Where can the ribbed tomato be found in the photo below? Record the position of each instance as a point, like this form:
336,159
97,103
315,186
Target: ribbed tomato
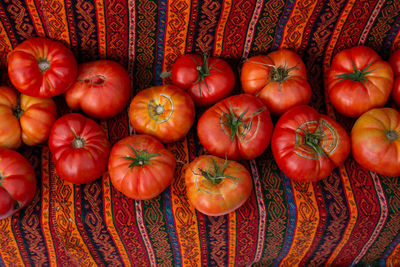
394,61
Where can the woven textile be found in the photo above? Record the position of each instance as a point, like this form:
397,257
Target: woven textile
351,217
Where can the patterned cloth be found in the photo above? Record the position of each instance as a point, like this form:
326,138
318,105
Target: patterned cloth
351,217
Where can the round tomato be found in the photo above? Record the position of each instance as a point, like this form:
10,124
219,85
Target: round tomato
216,186
41,67
141,167
164,111
394,61
79,148
375,141
279,79
101,90
24,118
17,182
307,145
206,79
358,80
237,127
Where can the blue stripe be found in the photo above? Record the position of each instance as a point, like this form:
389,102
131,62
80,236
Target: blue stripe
392,35
282,24
171,227
292,220
162,15
389,250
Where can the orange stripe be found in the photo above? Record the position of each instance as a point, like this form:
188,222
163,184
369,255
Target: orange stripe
37,22
101,28
56,20
353,215
220,32
394,258
5,46
307,220
293,33
396,42
232,238
9,251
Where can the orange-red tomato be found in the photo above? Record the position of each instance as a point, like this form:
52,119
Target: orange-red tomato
394,61
216,186
24,119
166,112
141,167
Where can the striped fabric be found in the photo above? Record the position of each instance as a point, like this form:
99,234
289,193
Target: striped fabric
351,217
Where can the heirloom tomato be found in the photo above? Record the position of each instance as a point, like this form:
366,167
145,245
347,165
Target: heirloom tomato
17,182
206,79
79,148
217,186
358,80
279,79
101,90
237,127
165,111
41,67
24,119
375,141
141,167
394,61
307,145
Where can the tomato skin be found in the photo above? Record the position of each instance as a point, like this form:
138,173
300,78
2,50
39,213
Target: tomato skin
79,148
141,182
372,147
17,182
249,143
218,82
52,77
25,119
101,90
280,91
295,157
166,112
352,97
222,198
394,61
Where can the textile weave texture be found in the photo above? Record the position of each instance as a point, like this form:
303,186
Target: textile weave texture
350,217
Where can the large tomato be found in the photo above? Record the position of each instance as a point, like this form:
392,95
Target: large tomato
237,127
375,141
207,79
279,79
165,111
394,61
17,182
307,145
216,186
141,167
358,80
79,148
101,90
24,119
42,67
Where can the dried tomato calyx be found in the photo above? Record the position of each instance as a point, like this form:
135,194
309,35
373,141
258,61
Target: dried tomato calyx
17,110
78,142
392,135
217,176
141,158
313,140
98,80
43,64
281,73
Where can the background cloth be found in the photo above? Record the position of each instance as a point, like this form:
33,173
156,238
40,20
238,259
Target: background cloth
351,217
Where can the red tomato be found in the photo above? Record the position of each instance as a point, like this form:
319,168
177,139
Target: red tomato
141,167
394,61
164,111
17,182
358,80
102,89
79,148
41,67
24,119
307,146
216,186
279,79
237,127
375,141
207,80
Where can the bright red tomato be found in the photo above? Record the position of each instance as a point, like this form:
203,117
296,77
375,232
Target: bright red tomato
79,148
216,186
17,182
279,79
206,79
101,90
237,127
375,141
394,61
41,67
166,112
307,145
141,167
24,119
358,80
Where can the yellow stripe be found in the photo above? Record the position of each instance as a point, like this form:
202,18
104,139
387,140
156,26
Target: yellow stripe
9,251
101,28
232,238
56,17
220,31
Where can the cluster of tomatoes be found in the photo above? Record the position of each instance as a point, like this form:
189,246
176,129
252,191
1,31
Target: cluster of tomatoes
306,145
